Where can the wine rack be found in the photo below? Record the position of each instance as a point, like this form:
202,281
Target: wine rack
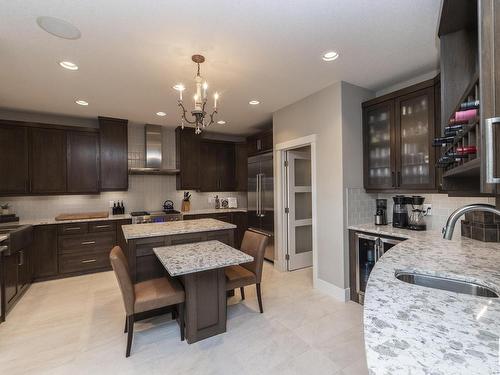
460,148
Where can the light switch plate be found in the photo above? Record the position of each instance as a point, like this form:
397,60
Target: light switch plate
428,207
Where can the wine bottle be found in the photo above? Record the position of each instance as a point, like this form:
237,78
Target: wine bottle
466,115
468,150
445,161
441,141
473,104
114,208
122,209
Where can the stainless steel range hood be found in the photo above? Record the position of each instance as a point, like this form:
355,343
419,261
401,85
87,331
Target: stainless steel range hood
154,153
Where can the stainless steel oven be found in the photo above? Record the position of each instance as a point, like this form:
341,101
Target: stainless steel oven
369,249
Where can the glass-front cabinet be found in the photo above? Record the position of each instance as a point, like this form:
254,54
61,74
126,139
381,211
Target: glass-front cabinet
379,160
398,130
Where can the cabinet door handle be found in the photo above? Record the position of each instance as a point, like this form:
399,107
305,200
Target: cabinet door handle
89,260
393,179
88,242
259,144
490,150
21,258
72,228
103,226
399,179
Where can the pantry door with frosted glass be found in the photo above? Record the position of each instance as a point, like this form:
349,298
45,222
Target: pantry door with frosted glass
299,203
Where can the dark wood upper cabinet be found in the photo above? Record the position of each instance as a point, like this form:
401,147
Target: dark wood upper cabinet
14,160
398,130
209,179
83,162
226,166
219,170
241,167
114,154
48,161
379,132
489,87
187,145
260,143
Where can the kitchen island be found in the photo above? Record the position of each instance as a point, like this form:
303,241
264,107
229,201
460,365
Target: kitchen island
421,330
142,238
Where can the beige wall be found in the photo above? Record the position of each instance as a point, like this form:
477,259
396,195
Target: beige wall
322,114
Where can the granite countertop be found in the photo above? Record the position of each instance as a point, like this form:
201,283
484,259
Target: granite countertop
53,221
205,211
418,330
132,231
389,230
199,256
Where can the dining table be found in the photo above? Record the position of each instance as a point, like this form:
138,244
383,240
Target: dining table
200,268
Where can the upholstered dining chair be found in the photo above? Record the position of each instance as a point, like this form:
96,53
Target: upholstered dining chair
146,295
246,274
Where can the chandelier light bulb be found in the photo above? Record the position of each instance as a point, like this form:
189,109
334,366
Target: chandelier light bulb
205,87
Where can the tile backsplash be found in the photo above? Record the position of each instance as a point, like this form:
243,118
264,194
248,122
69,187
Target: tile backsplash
144,193
361,207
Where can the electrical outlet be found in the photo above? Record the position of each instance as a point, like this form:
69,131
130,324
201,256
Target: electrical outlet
428,207
111,204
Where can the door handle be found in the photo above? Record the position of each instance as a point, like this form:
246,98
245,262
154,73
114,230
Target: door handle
398,180
103,226
89,261
490,150
72,228
393,179
88,242
262,191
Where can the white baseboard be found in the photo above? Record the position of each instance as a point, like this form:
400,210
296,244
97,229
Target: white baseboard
332,290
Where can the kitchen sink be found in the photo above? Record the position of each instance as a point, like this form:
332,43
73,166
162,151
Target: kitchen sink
450,285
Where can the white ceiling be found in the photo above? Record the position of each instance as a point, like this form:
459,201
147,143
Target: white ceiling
132,52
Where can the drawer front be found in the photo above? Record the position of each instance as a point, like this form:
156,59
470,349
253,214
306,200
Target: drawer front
102,226
81,262
103,242
73,228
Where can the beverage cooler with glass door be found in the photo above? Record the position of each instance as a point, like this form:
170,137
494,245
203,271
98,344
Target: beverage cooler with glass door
369,249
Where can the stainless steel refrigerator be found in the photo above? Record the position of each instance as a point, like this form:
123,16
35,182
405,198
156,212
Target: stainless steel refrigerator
261,198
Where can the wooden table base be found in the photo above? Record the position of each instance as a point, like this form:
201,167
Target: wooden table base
205,304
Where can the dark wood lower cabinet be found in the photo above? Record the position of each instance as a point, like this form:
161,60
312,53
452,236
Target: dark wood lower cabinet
236,217
17,271
143,263
45,251
71,249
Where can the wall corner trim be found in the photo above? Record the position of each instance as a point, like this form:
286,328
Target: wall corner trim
332,290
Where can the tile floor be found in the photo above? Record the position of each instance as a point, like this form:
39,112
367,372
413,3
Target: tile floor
75,326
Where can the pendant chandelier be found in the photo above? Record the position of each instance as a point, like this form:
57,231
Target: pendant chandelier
200,118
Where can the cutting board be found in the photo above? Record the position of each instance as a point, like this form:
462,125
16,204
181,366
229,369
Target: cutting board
83,216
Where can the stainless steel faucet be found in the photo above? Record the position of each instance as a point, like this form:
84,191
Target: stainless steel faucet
450,223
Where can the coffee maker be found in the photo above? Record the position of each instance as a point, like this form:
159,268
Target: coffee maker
400,212
381,212
416,219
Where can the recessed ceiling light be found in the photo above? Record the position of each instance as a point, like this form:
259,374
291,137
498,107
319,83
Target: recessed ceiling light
81,102
161,114
58,27
330,56
221,122
253,102
68,65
